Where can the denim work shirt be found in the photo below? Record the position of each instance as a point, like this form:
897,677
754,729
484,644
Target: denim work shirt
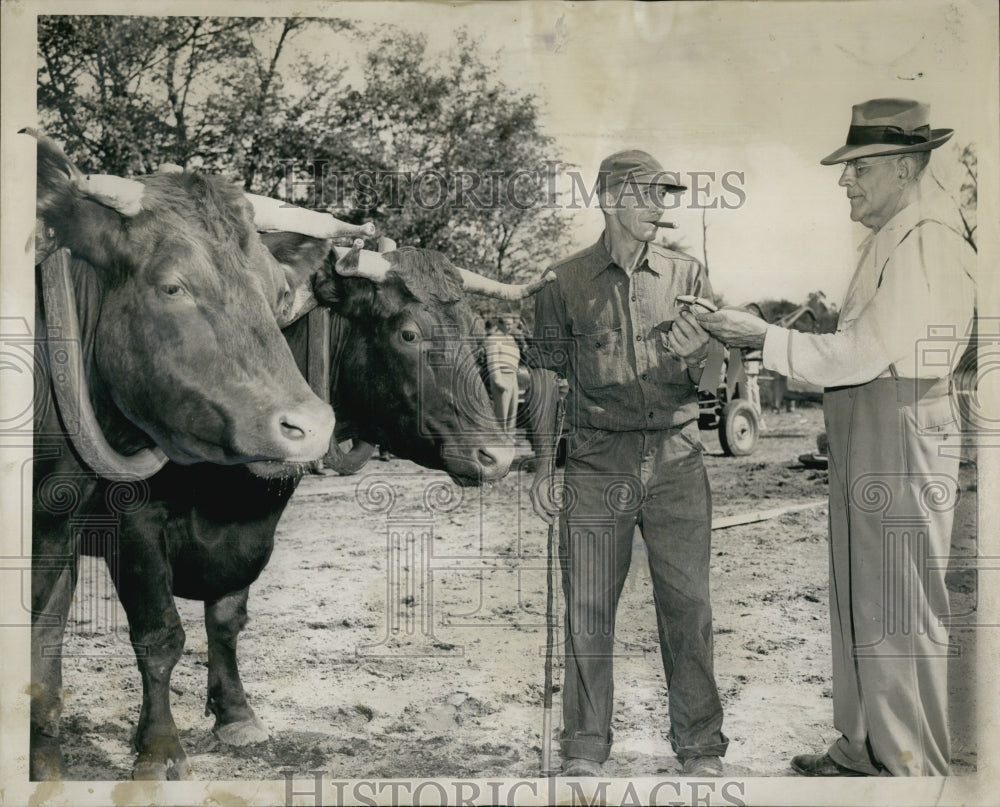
597,327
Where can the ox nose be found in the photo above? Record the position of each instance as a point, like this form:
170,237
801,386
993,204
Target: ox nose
303,433
495,460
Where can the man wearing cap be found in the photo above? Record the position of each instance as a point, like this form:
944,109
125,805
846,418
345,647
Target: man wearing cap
610,325
893,446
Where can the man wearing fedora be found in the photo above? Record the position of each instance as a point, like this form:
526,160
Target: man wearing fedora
610,325
893,447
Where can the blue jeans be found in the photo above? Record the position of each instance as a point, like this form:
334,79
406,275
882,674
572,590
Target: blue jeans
614,481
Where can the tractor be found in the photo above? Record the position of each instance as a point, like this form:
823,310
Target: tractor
734,408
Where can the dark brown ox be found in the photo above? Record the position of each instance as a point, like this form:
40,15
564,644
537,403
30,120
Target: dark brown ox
405,355
157,331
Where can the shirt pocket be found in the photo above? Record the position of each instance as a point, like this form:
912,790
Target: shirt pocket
600,358
665,368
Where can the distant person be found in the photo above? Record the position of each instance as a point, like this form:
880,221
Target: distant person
633,458
516,329
751,367
892,443
502,359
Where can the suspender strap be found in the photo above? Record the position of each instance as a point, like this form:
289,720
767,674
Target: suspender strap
892,367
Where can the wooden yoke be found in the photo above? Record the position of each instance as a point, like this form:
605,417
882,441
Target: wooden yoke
318,352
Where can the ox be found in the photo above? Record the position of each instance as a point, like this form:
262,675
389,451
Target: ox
205,531
406,358
158,340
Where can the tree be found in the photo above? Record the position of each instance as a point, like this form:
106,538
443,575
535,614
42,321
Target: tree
957,174
125,94
969,195
435,149
469,165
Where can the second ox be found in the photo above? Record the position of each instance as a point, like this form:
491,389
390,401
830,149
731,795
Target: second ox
406,358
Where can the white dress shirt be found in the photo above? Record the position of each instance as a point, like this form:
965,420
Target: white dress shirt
910,304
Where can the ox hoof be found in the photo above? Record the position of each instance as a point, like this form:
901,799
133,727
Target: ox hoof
171,770
243,732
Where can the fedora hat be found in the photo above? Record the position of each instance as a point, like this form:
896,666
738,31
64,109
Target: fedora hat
636,166
888,126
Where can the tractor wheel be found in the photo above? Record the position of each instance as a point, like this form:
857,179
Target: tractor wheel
739,428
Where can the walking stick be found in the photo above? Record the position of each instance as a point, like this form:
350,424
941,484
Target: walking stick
549,642
550,616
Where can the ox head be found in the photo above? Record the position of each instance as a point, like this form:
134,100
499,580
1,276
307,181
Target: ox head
407,372
186,348
418,357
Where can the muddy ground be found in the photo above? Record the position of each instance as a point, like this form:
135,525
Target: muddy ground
429,661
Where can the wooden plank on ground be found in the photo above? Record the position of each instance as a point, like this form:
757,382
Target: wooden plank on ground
763,515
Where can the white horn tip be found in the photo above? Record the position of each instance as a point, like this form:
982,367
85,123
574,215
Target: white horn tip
368,229
124,195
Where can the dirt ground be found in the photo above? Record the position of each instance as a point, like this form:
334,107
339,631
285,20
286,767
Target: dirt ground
427,660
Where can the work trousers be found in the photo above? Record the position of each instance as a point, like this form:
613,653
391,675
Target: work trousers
614,481
893,487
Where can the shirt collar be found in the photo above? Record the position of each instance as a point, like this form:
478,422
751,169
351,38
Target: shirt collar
903,221
600,259
894,229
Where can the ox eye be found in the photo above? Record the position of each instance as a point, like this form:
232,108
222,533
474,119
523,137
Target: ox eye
172,289
409,335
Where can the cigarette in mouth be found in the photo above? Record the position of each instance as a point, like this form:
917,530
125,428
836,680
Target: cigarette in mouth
667,224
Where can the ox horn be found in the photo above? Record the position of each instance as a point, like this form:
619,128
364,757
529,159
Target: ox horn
358,262
478,284
123,195
71,394
273,215
118,193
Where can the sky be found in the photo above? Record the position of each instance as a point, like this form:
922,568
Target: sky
762,89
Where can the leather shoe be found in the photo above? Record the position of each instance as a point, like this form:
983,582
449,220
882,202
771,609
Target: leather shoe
702,766
576,767
821,765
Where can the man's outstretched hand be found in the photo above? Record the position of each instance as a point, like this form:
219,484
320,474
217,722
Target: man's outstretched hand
734,328
687,339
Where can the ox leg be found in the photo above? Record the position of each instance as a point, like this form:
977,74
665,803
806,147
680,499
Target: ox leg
145,590
51,594
235,721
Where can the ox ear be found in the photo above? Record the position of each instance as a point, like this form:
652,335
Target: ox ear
68,214
122,195
57,176
301,258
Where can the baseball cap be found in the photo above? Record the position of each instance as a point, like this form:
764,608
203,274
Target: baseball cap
639,167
